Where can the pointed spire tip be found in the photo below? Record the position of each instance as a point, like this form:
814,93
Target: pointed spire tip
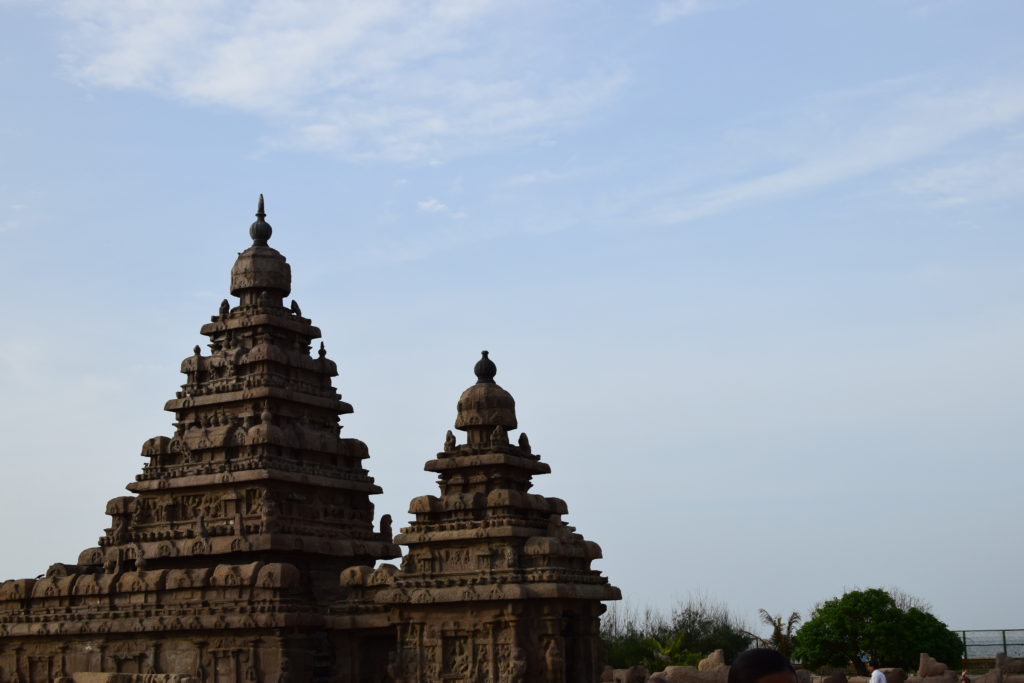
260,230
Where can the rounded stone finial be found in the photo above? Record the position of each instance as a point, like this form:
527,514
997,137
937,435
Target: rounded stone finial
485,369
485,405
260,231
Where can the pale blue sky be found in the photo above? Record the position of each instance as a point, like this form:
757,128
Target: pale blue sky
752,270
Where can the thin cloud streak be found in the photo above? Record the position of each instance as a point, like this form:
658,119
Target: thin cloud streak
918,125
431,206
671,10
976,180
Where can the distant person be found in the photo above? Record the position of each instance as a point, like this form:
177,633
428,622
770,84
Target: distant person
964,678
876,674
762,665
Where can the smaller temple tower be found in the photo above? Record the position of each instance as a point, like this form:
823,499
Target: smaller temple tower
495,586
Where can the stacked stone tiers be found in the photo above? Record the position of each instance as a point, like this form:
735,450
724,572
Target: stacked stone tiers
495,585
224,561
256,465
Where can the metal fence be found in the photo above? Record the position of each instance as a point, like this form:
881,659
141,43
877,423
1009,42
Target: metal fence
987,644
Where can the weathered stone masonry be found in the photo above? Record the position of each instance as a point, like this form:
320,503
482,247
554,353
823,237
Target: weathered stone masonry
246,551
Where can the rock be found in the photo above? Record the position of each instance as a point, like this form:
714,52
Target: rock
993,676
1009,665
895,675
929,666
634,674
713,662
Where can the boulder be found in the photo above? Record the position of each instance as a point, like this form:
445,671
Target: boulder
993,676
713,662
634,674
1009,665
929,666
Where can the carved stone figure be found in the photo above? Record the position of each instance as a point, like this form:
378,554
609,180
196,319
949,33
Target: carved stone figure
553,662
524,442
515,667
499,437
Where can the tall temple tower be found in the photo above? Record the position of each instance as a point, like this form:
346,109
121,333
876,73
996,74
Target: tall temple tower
223,563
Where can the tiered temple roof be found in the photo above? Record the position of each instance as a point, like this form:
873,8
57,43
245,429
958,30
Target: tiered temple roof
495,585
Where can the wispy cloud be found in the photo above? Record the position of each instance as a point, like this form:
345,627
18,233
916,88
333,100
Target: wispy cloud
978,179
387,79
431,206
909,127
546,175
925,8
671,10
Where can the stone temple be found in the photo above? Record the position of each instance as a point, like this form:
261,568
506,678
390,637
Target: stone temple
247,552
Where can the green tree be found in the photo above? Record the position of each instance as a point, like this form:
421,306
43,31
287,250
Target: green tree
870,624
920,632
781,638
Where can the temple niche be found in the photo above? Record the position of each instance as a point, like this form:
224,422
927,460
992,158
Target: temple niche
247,552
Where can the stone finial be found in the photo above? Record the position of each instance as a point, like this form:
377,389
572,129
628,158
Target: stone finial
196,350
295,308
323,351
260,231
485,404
449,442
225,308
485,369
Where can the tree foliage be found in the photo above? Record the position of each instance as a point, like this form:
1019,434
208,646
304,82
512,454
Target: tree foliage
782,638
872,624
693,630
